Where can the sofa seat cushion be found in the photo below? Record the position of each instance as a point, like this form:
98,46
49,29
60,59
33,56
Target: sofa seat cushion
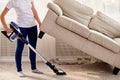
104,41
75,10
73,26
106,25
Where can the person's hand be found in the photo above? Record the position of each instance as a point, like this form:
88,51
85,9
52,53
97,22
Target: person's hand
8,30
39,26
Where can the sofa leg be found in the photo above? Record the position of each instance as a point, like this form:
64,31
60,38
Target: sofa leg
41,34
115,70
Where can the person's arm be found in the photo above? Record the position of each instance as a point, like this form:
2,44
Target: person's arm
3,14
36,14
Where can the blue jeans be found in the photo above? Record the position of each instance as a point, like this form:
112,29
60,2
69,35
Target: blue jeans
31,33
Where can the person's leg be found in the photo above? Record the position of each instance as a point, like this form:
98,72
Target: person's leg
32,37
19,49
18,55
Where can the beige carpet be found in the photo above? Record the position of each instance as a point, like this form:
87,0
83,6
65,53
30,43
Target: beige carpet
96,71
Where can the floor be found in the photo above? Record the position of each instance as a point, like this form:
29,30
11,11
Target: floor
96,71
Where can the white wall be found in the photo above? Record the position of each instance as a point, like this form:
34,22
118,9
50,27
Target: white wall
109,7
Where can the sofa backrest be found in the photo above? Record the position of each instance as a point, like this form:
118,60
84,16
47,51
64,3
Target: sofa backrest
75,10
105,24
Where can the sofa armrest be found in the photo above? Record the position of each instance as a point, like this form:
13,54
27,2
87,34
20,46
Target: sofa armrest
54,7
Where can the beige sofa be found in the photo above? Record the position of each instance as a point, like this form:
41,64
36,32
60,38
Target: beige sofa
77,25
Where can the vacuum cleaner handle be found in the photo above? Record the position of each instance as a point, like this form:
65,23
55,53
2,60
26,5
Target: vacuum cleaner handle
11,36
14,34
5,34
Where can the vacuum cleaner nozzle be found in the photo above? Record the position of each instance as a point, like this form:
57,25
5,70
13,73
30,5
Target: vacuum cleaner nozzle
56,70
61,72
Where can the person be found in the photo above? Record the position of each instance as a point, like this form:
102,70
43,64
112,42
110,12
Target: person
27,17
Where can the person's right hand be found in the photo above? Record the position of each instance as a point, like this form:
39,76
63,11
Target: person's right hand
8,30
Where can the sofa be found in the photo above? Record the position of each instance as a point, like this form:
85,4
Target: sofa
80,26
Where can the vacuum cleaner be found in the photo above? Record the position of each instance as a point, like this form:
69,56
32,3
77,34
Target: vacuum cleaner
16,34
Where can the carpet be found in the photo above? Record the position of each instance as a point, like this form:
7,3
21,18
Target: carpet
95,71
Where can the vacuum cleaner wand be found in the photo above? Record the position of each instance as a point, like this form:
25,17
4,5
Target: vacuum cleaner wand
18,35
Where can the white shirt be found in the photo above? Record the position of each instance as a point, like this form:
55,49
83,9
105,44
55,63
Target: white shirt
25,17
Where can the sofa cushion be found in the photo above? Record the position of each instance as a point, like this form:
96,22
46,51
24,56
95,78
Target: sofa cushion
73,26
76,10
105,25
104,41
